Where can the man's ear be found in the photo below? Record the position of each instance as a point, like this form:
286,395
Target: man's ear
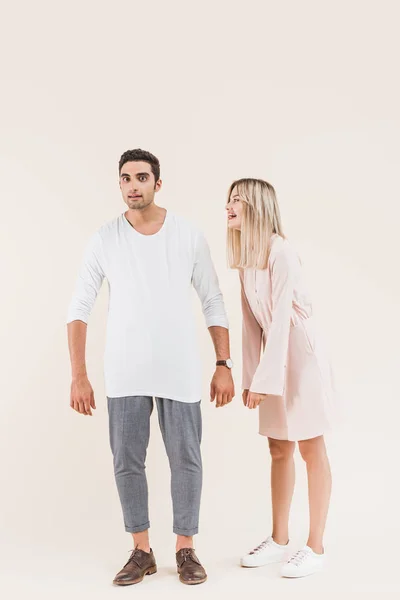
158,185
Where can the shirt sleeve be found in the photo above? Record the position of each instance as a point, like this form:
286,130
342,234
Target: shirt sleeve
270,374
251,339
88,283
205,282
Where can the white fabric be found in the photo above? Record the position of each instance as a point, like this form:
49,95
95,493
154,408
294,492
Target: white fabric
151,347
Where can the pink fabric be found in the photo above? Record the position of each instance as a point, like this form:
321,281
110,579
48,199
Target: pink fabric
294,369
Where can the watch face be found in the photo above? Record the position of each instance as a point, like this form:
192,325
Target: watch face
229,363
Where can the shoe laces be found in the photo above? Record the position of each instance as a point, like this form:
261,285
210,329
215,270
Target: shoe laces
187,553
299,557
262,546
132,557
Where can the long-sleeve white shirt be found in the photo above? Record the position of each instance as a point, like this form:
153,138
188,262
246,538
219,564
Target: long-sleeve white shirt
151,346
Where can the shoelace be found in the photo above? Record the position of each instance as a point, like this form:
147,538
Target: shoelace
299,557
187,553
132,556
262,546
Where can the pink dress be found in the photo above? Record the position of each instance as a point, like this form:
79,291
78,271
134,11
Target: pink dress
294,369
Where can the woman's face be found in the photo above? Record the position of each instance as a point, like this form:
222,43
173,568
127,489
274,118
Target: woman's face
234,210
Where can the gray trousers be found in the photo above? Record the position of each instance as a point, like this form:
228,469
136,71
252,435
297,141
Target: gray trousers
181,428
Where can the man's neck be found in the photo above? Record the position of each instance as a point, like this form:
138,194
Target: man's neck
147,220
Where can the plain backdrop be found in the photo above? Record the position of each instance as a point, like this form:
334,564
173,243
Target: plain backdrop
303,94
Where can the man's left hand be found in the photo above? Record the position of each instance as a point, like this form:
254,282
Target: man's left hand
222,388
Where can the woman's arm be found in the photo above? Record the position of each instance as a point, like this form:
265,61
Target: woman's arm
270,375
251,340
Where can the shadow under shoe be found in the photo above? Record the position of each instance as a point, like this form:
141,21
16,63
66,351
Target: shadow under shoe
140,563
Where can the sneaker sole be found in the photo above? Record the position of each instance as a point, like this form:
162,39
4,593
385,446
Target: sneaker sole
264,564
298,576
150,571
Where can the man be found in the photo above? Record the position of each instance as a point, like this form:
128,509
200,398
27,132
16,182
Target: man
151,258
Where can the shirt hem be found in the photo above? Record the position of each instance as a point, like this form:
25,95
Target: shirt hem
154,394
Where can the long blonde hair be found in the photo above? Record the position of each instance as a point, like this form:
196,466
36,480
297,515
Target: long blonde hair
250,247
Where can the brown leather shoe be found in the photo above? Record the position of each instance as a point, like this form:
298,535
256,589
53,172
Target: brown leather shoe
190,569
140,563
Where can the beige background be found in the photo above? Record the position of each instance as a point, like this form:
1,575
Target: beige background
304,94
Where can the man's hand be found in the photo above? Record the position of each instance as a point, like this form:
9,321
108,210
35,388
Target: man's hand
82,396
253,400
222,388
245,396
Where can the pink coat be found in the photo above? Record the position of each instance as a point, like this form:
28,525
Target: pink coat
294,369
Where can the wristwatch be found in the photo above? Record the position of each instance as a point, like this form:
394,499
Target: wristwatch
225,363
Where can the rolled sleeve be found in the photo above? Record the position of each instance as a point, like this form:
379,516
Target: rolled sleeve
88,283
205,282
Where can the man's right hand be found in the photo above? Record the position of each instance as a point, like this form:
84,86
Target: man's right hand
82,396
244,396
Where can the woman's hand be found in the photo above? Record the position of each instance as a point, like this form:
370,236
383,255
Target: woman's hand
253,399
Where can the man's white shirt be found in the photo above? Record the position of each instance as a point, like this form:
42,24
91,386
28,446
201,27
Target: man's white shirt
151,344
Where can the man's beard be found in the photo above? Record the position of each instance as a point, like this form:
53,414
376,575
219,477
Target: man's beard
138,205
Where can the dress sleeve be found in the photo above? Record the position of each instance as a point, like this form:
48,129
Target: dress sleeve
251,339
270,375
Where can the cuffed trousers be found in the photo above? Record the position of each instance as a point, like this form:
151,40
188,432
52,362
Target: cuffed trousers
181,428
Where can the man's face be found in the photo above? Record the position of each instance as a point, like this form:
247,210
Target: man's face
138,185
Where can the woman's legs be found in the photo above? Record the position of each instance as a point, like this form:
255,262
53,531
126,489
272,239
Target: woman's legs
313,452
282,486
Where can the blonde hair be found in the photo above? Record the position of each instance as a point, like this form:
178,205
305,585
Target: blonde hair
250,247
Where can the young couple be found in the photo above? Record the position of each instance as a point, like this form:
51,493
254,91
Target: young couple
150,258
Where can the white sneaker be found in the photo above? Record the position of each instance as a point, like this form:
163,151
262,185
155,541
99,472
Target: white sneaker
302,563
267,553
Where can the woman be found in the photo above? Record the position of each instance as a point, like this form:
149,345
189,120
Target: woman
292,382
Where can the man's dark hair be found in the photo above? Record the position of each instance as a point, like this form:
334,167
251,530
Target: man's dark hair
138,155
